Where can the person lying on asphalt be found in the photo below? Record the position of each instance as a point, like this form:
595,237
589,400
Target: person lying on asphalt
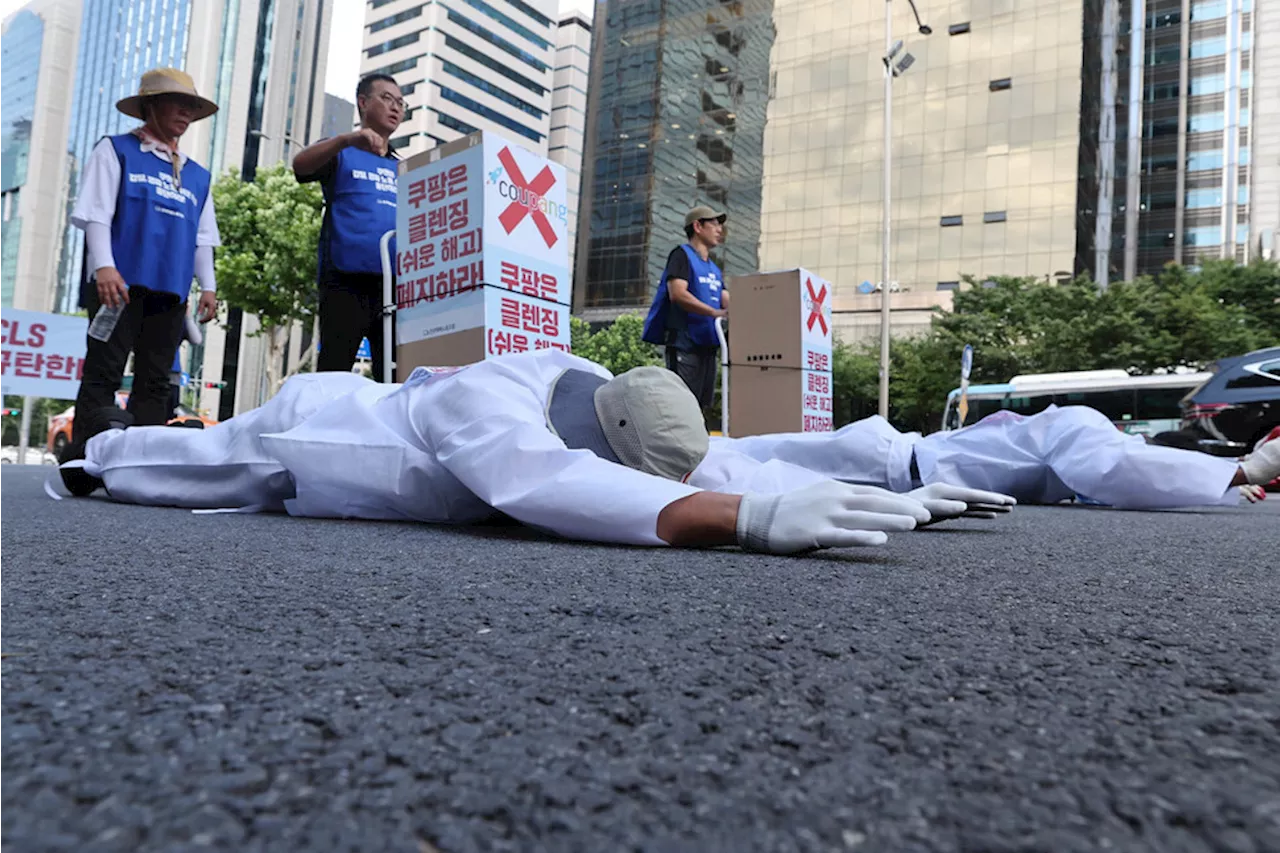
1056,455
557,443
551,440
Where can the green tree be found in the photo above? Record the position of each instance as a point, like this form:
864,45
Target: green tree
855,382
42,408
267,263
1254,287
1179,318
1187,322
618,346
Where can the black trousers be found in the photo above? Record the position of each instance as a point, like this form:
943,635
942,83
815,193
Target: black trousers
150,328
698,370
351,309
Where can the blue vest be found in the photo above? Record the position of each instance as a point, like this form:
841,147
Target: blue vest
153,232
360,208
707,284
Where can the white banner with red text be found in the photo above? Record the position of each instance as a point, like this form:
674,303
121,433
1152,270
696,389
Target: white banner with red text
43,353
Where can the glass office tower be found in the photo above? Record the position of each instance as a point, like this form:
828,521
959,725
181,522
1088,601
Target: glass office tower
680,90
119,40
21,48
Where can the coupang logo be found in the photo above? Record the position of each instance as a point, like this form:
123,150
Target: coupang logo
528,197
815,302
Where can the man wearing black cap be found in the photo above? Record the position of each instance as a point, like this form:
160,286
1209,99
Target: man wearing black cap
690,297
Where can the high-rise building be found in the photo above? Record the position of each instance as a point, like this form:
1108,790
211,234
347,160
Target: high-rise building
1264,164
339,116
465,65
986,150
1183,91
572,71
271,70
677,117
117,42
39,56
1010,137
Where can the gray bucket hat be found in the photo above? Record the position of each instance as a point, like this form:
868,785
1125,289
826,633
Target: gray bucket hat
646,419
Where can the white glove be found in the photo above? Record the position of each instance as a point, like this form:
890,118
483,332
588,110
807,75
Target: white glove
1253,494
824,515
1262,465
945,501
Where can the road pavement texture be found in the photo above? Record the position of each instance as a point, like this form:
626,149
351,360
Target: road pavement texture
1062,679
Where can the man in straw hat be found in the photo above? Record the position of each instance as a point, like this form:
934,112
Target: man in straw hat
147,214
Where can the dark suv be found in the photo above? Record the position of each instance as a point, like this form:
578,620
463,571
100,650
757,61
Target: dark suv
1236,407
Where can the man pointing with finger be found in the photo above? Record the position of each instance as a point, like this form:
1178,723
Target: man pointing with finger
357,172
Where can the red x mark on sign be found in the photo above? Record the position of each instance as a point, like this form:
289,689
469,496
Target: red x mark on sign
816,301
516,212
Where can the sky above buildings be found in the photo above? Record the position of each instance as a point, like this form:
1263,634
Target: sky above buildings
343,68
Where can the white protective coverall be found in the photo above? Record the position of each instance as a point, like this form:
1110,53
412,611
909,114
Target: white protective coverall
449,445
455,444
1044,458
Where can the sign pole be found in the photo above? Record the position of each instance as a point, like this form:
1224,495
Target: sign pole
724,377
966,365
24,431
388,308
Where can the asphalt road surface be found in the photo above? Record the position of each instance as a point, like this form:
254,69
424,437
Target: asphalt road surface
1064,679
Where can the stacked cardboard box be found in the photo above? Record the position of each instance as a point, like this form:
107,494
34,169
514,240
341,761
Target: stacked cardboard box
779,353
482,263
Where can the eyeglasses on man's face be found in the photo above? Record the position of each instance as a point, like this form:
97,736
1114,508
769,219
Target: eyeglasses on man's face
391,100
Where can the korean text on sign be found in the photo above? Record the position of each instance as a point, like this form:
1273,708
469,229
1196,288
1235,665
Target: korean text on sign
37,365
43,354
817,360
529,282
441,252
522,326
816,402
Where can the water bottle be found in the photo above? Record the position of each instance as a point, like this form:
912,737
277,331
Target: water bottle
104,322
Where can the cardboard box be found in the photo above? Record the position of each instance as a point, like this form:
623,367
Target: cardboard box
476,324
481,246
780,319
766,400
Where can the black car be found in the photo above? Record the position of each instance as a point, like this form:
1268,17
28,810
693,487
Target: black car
1236,407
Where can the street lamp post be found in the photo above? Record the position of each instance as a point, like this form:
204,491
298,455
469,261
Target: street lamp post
891,70
288,140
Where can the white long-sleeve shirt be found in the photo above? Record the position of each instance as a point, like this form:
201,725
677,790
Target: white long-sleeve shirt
96,205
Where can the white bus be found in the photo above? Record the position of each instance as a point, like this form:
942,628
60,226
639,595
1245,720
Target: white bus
1138,404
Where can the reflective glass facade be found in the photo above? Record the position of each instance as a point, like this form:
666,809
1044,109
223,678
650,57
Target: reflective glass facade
222,87
21,56
119,40
569,109
1183,170
985,144
678,117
